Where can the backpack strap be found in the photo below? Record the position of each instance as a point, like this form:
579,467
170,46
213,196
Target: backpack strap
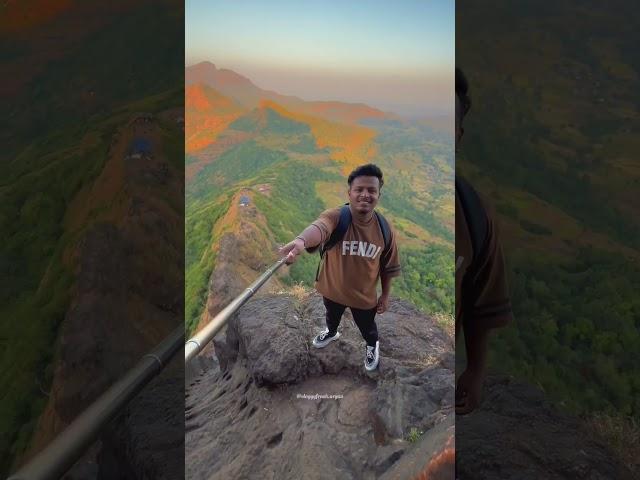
476,218
478,225
339,231
386,235
343,224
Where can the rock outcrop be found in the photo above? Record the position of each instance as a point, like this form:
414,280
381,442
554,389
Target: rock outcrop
244,250
518,434
279,408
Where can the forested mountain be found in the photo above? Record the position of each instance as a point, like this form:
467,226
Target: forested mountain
552,143
79,94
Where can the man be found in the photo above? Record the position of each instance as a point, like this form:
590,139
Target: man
482,301
350,269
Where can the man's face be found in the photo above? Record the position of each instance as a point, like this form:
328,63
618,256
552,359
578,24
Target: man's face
459,129
364,193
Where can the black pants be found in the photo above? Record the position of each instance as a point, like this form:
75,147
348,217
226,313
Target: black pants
365,320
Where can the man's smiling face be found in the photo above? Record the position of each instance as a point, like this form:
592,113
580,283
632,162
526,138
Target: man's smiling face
364,193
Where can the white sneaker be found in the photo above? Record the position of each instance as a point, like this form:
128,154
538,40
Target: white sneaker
323,339
372,357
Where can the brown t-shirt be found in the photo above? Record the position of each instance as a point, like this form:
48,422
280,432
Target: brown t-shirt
350,270
489,287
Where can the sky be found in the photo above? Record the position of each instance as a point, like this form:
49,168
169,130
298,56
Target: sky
398,56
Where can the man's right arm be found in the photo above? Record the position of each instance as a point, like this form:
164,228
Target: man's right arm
311,237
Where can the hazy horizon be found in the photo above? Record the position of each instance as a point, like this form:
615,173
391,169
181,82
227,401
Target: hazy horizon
336,91
398,58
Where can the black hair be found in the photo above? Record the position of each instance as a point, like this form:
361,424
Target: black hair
368,170
462,91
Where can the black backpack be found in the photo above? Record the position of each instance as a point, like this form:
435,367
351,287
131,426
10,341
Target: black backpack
342,227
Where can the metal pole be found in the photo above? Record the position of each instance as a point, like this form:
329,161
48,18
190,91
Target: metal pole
60,455
195,344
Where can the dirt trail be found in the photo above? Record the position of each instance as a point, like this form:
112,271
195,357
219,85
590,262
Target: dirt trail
245,248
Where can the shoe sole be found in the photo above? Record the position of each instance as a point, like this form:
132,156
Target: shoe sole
326,342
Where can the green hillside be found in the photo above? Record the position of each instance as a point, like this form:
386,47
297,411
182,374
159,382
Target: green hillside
550,144
268,121
56,136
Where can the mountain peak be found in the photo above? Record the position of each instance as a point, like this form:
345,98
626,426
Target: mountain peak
226,81
204,65
248,94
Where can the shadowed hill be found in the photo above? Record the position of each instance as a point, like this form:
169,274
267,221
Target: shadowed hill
77,172
123,301
550,141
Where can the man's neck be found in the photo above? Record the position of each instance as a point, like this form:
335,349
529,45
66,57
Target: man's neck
360,217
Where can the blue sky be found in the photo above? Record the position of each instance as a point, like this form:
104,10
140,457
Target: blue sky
398,53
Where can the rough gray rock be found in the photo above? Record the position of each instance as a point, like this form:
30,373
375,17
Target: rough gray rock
251,420
414,460
275,348
518,434
151,429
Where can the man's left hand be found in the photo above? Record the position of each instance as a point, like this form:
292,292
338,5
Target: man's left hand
383,303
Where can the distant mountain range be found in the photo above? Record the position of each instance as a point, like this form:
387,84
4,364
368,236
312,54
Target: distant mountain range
246,93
